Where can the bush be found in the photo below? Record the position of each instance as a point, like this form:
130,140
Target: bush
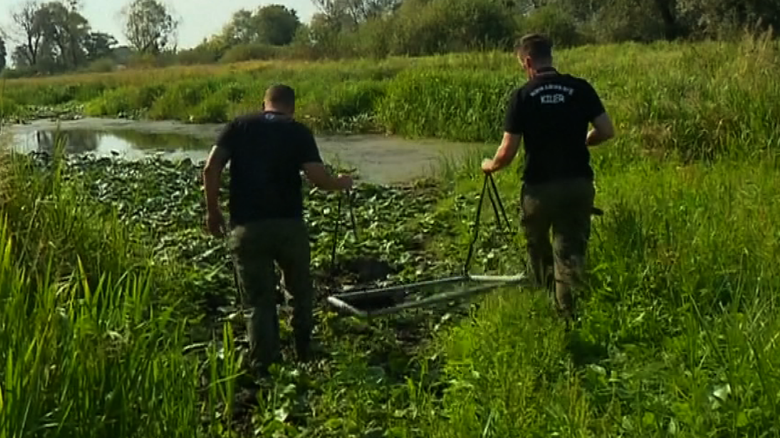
113,102
463,106
452,26
248,52
202,54
554,22
8,108
102,65
177,100
212,110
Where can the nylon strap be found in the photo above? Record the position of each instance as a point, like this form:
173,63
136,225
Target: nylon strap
498,207
337,222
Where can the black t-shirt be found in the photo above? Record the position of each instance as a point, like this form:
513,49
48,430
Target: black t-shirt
552,113
267,152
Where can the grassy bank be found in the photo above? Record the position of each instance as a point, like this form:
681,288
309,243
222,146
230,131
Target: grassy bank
696,99
119,316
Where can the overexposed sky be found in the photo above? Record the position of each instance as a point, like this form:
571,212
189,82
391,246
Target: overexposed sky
199,18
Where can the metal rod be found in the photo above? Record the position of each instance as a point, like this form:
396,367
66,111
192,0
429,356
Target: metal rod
499,278
476,228
388,290
434,299
500,204
351,198
344,306
337,221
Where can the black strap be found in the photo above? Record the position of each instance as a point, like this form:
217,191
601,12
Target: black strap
337,222
498,206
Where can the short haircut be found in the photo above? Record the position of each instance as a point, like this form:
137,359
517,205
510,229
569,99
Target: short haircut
536,46
280,95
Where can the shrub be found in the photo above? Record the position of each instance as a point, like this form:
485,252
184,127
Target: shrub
248,52
556,23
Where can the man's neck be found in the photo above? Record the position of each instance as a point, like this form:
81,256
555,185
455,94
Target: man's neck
544,70
276,112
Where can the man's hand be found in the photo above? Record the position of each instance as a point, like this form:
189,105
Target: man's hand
504,155
215,223
320,177
488,166
345,182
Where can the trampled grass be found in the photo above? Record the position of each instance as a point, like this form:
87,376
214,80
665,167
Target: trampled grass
679,325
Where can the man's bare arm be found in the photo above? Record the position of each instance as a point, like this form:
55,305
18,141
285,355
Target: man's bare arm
602,131
319,175
212,173
505,154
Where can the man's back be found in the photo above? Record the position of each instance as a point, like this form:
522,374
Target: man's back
552,112
267,151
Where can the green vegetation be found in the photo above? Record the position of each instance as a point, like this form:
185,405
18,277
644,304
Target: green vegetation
119,316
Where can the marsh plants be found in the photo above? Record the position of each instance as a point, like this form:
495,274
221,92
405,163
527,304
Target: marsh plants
118,313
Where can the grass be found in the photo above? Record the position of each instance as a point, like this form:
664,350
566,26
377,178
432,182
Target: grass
118,316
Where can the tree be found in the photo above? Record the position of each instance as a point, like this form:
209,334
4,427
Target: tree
3,53
272,24
30,25
149,26
240,29
99,45
351,13
66,30
276,24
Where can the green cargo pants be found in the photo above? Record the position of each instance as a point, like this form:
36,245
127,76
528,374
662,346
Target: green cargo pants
566,206
256,247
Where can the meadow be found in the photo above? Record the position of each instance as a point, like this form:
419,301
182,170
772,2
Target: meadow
118,313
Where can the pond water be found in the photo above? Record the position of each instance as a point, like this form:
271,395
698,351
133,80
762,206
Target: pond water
379,159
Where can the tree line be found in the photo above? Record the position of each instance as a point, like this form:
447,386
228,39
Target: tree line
53,37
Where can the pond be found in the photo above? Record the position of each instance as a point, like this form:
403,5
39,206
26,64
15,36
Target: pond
379,159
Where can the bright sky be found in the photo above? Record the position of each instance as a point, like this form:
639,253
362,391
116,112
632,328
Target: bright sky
200,18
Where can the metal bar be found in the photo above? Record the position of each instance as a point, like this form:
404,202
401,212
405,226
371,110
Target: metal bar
476,227
499,278
387,290
337,222
345,306
500,204
433,300
351,198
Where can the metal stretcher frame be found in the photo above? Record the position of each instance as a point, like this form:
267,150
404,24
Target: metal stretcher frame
488,282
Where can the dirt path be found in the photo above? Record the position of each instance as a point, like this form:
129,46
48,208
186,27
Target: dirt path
379,159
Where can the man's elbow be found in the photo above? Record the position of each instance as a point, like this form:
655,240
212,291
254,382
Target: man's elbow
608,133
208,172
604,127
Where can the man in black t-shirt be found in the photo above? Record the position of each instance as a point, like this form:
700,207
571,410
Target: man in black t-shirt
267,151
551,113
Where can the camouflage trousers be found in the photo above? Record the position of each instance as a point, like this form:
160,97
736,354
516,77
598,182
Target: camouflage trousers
257,248
565,207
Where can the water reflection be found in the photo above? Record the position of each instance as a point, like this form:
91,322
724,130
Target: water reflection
127,143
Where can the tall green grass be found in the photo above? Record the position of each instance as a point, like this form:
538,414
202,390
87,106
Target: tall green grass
680,317
95,340
680,322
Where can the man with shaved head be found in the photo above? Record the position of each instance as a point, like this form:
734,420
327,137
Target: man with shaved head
551,113
267,151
